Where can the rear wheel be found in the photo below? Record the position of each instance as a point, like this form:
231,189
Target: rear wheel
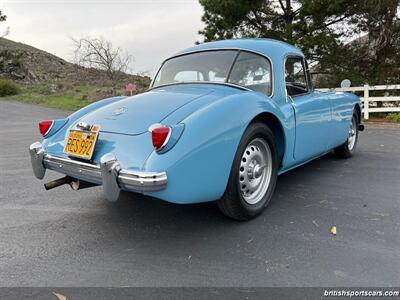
347,149
253,175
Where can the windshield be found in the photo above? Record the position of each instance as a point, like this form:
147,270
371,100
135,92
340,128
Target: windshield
245,69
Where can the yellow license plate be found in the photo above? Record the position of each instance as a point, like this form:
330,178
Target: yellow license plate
81,143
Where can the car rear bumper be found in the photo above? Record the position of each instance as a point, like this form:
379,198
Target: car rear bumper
108,173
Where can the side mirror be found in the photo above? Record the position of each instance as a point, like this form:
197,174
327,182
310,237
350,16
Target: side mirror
345,83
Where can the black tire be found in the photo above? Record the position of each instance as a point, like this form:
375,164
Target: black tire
344,151
233,203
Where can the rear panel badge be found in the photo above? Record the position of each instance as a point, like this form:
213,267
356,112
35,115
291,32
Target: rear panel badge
119,111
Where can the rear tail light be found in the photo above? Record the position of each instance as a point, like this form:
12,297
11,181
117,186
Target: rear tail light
160,135
45,126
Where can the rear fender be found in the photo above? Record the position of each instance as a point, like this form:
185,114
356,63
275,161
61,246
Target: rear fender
343,105
199,165
57,125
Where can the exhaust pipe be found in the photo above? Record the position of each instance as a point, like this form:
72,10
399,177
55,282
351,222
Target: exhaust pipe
77,184
73,182
58,182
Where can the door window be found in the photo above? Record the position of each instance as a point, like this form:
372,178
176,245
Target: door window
295,76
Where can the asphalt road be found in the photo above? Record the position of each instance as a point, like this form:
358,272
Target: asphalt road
66,238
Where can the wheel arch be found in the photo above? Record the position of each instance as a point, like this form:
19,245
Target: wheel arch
357,108
275,125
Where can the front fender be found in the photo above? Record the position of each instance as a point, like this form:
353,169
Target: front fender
199,165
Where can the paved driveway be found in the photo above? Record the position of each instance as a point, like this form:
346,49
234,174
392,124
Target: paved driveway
66,238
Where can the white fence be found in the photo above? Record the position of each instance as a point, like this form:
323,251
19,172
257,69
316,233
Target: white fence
367,100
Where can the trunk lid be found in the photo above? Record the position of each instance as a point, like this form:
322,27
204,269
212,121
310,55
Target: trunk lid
134,115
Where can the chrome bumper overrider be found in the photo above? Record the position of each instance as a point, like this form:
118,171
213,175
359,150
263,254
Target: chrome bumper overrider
109,173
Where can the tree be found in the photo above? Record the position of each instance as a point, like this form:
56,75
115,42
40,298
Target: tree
325,30
314,26
382,44
101,54
3,18
374,57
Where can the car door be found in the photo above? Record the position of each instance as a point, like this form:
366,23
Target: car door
312,110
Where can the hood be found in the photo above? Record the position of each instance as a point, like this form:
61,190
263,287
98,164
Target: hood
133,115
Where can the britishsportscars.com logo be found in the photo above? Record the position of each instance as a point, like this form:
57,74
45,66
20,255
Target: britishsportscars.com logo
361,293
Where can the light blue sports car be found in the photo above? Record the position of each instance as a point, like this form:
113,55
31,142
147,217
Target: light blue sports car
220,122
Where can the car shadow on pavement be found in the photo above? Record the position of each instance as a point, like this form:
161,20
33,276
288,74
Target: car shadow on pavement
154,226
156,212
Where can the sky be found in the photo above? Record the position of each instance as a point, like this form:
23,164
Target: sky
149,30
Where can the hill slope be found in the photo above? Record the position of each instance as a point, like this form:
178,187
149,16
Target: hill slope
27,64
49,80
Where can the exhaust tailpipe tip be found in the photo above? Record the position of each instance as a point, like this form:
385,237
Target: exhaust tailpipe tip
77,184
58,182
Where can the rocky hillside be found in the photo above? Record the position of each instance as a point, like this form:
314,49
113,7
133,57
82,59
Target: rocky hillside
27,65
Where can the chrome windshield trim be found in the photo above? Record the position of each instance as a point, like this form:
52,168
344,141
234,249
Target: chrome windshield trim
201,82
220,49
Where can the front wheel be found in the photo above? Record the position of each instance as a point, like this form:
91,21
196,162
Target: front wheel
347,149
253,175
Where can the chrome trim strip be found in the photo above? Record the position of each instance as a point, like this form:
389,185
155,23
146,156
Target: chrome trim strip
219,49
202,82
129,180
157,125
50,128
167,139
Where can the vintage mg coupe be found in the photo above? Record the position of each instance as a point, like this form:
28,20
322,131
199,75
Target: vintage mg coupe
220,122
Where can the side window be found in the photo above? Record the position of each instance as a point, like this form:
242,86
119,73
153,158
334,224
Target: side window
295,76
253,72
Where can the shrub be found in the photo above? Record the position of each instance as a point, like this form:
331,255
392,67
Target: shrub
393,117
8,88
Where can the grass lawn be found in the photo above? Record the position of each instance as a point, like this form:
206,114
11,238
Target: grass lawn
63,102
62,96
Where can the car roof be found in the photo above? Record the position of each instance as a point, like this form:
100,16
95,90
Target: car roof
271,48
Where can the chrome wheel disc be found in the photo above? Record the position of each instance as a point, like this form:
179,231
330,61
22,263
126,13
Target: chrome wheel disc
255,171
352,135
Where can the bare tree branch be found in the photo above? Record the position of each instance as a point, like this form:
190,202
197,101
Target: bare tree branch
100,54
282,6
332,22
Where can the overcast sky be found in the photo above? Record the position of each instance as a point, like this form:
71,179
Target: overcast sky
149,30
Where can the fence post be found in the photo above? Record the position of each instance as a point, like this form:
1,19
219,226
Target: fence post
366,101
